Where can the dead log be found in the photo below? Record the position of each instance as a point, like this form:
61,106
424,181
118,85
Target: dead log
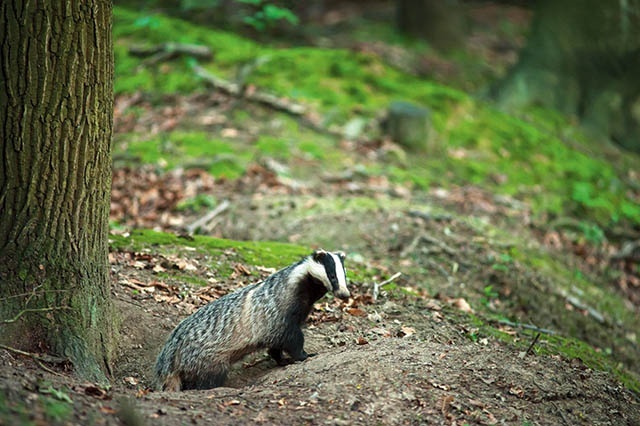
172,50
252,95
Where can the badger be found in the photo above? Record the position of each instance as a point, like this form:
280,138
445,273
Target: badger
268,314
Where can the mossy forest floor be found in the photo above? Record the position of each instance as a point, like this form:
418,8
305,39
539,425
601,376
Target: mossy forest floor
476,299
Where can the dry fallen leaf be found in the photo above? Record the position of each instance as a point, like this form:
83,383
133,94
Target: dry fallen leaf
406,331
96,392
517,392
462,304
131,381
241,269
158,268
446,402
356,312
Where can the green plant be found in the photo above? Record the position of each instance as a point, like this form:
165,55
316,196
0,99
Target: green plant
592,232
57,405
488,295
267,15
502,263
197,203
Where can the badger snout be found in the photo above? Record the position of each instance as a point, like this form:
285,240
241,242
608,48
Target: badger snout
342,294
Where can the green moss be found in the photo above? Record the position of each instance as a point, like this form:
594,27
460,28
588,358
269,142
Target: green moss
170,77
259,253
275,146
55,410
598,360
228,167
13,412
264,253
481,145
220,157
197,203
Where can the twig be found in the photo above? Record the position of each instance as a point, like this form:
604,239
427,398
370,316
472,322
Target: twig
24,311
564,419
572,300
526,326
45,358
411,247
434,241
224,205
437,266
377,286
47,369
439,243
530,348
30,294
426,216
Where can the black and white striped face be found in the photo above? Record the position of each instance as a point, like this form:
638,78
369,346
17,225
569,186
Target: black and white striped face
329,268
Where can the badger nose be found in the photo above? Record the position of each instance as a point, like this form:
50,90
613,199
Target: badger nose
343,294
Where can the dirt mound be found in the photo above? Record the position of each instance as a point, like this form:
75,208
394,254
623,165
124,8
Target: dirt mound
406,381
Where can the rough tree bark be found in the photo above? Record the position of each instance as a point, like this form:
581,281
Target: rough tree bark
56,108
582,58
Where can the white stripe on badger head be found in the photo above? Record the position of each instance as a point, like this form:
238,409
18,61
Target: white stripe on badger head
342,291
317,270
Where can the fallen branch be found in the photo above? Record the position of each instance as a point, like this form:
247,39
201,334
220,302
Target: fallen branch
426,238
437,266
204,220
166,51
378,286
236,89
629,250
427,217
45,358
223,85
24,311
526,326
573,301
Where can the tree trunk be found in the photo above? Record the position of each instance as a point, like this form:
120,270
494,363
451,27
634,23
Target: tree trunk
442,23
56,109
583,59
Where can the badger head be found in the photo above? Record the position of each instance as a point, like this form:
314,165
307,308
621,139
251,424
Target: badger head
329,269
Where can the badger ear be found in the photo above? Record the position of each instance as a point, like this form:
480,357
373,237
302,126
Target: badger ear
319,254
341,255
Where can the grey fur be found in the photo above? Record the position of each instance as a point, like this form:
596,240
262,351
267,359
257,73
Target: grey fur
268,314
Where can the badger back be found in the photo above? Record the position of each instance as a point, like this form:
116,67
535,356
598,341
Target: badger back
329,269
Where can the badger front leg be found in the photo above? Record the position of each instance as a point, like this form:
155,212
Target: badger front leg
276,354
295,345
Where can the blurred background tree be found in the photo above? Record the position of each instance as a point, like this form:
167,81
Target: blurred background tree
443,23
582,58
